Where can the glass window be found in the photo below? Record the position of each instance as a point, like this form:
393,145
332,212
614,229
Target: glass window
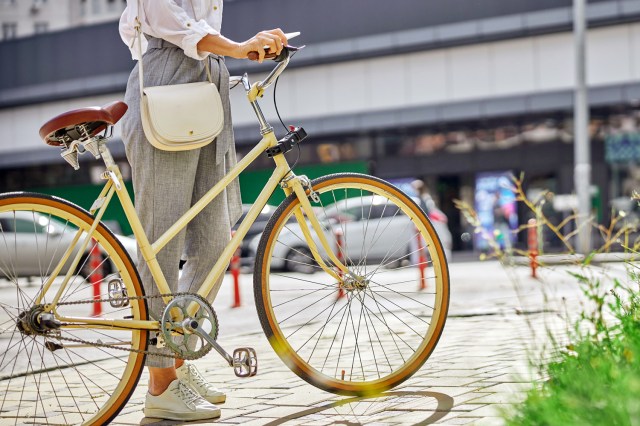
379,211
28,226
9,30
5,225
40,27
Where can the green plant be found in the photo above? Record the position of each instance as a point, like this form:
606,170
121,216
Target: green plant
595,379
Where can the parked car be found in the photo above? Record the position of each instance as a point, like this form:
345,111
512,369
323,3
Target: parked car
40,241
371,228
247,254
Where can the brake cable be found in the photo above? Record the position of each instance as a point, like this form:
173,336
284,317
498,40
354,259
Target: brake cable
275,104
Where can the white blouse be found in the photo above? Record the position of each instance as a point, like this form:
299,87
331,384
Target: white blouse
174,21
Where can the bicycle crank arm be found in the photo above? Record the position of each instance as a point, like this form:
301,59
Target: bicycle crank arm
200,332
244,360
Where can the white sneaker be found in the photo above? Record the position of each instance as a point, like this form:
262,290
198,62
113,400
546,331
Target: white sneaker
189,374
179,402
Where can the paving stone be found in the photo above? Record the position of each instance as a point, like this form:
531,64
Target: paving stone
454,421
280,411
467,398
499,398
488,421
490,410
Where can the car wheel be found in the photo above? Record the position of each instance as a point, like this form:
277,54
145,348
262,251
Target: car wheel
300,259
400,260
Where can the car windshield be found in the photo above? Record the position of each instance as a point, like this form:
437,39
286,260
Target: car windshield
363,208
39,223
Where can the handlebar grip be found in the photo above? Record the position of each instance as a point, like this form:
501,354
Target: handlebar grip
253,56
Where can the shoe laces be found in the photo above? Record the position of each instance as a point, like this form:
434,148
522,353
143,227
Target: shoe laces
195,375
187,395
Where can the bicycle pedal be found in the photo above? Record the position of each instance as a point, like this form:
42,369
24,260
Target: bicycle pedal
245,362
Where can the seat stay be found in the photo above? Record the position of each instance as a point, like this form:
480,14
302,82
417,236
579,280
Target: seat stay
54,274
83,247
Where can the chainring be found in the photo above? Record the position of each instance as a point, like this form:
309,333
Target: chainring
184,345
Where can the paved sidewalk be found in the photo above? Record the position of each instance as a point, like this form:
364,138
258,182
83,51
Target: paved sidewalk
498,321
480,365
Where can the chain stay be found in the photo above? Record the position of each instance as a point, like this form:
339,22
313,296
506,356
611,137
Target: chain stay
103,345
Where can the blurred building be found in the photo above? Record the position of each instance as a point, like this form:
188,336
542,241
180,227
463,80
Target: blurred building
441,91
23,18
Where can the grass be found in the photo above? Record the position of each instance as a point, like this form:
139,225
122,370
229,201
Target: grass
596,379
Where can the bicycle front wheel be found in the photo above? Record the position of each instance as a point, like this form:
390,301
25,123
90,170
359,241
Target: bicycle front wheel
60,372
376,325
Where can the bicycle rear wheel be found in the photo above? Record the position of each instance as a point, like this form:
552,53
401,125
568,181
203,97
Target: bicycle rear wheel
65,375
388,320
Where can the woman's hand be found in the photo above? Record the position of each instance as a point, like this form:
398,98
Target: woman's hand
275,40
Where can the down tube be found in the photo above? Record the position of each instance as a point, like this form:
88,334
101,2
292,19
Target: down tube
261,201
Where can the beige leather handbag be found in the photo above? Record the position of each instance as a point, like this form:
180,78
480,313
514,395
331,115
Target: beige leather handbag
179,117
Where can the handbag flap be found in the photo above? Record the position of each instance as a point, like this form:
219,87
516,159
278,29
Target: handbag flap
185,112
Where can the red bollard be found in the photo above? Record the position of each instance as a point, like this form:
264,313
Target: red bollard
422,262
95,263
340,256
235,273
532,242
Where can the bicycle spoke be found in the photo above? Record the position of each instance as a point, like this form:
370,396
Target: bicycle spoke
393,313
332,306
321,330
356,334
304,309
384,322
346,306
379,342
403,295
300,297
344,334
296,278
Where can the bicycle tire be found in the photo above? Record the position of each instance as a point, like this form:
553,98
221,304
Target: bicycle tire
43,378
273,290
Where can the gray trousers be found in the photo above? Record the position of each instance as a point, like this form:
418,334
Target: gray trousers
166,184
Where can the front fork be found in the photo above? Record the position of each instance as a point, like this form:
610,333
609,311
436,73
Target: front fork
301,187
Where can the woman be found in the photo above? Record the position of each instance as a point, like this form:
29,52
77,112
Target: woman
180,35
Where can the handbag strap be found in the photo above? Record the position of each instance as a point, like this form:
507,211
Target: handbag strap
138,40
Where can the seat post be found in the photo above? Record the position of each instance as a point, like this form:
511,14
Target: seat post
109,162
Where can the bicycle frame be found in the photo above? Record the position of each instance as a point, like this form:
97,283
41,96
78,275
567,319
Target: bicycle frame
282,175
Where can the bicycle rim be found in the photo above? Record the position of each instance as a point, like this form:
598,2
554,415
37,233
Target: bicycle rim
388,320
45,377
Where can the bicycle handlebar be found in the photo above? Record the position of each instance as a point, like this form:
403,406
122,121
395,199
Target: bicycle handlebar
283,60
257,89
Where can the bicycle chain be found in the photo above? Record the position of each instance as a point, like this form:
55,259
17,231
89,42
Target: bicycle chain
148,353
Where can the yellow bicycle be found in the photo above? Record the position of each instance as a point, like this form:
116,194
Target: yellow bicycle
334,281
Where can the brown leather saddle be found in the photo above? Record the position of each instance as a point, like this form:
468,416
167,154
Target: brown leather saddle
81,124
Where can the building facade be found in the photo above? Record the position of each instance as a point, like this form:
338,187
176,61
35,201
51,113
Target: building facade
23,18
443,92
